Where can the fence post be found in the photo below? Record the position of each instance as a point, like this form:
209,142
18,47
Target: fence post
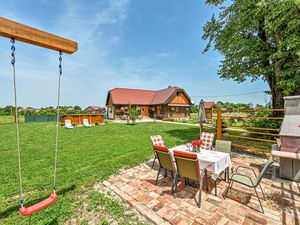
219,124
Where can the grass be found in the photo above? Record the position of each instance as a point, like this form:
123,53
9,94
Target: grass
86,156
10,119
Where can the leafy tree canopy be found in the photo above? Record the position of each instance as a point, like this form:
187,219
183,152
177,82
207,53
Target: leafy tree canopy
258,39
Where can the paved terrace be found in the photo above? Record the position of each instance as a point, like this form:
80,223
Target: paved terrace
136,187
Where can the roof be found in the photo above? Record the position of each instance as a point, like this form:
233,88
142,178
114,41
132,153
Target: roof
209,105
94,107
124,96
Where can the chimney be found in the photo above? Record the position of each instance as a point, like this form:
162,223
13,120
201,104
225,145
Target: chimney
289,145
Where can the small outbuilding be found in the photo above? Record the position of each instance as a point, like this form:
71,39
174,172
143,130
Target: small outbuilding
93,109
209,108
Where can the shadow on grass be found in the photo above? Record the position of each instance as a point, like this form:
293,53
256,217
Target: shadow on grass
8,211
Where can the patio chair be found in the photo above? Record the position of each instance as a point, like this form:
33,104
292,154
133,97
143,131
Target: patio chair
249,181
156,140
68,124
86,123
188,166
207,140
223,146
164,159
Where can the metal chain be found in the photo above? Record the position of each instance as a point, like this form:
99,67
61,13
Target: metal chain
57,117
13,62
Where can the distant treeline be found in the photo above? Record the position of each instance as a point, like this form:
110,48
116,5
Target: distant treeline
10,110
232,106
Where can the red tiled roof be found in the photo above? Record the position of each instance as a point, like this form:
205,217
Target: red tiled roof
124,96
163,95
209,105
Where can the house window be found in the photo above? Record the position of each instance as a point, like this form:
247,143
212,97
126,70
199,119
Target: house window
177,109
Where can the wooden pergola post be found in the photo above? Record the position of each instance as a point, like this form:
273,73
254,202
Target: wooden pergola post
219,124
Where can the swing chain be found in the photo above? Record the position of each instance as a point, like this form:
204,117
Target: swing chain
13,61
13,49
60,60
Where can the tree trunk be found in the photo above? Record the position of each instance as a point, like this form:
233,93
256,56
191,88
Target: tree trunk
277,98
277,92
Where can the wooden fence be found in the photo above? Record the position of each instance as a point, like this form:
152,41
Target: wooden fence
244,133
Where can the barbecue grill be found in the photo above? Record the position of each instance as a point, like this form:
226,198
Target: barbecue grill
288,147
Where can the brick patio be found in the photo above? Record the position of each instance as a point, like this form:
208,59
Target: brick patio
155,202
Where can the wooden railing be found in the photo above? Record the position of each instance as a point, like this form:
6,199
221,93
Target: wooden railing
241,133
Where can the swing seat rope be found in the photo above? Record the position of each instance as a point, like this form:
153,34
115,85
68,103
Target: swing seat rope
38,206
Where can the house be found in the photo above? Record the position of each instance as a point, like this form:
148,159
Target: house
172,102
93,109
209,108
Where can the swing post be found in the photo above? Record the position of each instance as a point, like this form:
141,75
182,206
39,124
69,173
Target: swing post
30,35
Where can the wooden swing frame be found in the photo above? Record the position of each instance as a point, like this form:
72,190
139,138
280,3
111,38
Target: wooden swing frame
30,35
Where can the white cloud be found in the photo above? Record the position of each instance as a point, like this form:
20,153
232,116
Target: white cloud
167,54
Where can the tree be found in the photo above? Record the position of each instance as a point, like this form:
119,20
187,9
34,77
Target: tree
258,39
133,113
194,108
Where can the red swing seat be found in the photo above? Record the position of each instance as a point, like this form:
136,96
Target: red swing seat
38,206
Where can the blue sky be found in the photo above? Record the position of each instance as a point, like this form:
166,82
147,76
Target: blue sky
122,43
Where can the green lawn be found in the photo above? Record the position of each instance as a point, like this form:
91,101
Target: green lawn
86,156
10,119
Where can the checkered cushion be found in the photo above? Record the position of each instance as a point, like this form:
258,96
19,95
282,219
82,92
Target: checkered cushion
207,140
157,140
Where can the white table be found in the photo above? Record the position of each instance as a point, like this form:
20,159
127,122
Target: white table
213,161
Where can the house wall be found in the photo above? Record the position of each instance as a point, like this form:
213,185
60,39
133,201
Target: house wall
177,112
180,98
144,110
109,100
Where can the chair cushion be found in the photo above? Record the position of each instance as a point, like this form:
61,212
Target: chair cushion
157,140
160,148
244,180
207,140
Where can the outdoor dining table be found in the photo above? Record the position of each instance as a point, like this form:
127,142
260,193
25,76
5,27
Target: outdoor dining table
209,160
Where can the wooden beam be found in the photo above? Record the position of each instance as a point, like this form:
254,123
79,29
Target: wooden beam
20,32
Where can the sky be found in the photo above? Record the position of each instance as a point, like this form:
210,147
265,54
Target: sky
122,43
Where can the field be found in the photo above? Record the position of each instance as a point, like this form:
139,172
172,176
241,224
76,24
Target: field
86,156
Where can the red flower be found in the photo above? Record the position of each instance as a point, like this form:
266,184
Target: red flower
196,143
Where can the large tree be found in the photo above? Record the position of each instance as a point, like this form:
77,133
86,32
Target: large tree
258,39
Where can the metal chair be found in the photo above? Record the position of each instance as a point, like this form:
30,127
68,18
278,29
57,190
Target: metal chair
164,159
156,140
187,167
207,140
224,146
249,181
